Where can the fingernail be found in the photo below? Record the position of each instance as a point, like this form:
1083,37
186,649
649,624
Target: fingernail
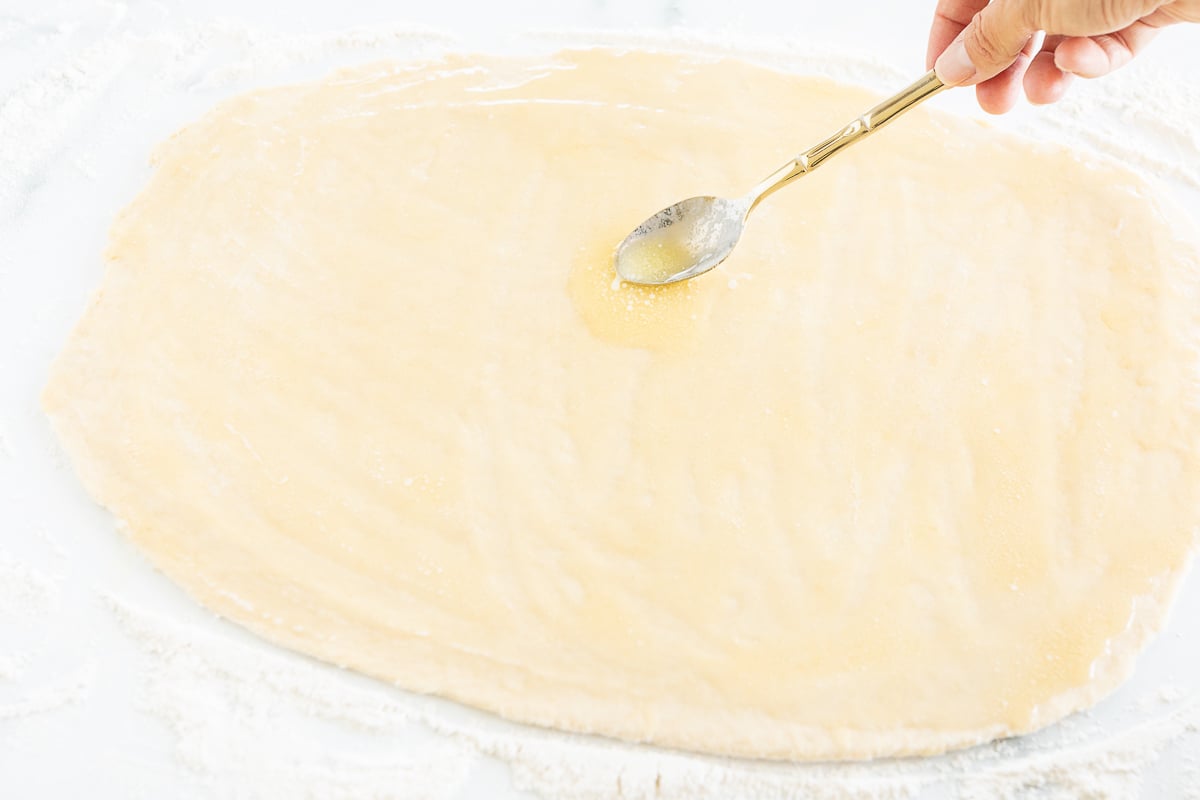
954,66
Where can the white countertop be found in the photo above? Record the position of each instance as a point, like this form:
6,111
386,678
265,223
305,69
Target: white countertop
114,684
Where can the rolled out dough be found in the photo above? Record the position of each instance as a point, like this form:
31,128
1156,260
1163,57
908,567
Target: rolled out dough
917,467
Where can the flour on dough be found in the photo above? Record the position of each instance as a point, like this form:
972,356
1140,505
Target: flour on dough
915,468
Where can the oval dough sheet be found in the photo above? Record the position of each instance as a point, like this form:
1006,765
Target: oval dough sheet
917,467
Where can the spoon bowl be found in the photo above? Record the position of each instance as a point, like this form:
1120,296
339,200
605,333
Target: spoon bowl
682,241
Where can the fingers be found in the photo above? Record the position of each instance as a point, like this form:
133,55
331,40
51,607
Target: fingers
990,43
1094,56
1064,57
999,94
995,45
949,19
1044,82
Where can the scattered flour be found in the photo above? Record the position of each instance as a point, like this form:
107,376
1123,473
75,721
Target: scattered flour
25,592
52,542
28,597
37,116
236,707
51,698
1158,109
14,666
252,721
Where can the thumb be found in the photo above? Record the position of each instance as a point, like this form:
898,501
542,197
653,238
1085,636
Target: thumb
989,44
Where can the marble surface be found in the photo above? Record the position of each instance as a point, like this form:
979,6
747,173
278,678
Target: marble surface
109,686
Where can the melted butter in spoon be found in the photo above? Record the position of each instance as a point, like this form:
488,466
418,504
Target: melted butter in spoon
656,257
681,241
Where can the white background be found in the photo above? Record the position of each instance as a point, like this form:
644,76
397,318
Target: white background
112,682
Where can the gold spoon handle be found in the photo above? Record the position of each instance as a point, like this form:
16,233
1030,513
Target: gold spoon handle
925,87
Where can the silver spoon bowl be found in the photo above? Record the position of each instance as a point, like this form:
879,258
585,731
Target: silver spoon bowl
682,241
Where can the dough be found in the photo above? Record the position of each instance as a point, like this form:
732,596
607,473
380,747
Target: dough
915,468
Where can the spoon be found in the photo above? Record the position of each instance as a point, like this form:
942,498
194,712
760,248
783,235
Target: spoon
695,235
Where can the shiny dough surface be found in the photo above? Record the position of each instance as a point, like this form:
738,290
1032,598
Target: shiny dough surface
915,468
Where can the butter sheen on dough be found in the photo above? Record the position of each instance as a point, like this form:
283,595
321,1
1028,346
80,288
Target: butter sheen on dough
917,467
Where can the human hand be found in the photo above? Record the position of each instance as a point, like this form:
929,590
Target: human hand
1042,44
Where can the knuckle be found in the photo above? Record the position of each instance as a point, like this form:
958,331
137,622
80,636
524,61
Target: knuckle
1088,17
1039,14
1109,12
1115,14
985,40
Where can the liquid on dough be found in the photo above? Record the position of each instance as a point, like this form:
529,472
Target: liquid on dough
915,468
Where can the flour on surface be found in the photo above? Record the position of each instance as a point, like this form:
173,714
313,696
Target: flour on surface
234,707
14,665
25,592
74,689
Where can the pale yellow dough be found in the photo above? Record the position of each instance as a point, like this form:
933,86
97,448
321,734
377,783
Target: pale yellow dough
915,468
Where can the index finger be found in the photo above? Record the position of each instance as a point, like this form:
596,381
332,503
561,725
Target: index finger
949,19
